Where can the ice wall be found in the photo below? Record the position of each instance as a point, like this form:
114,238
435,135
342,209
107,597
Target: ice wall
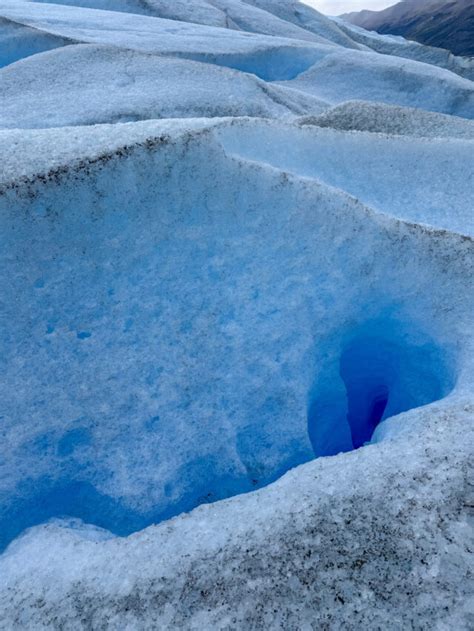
175,315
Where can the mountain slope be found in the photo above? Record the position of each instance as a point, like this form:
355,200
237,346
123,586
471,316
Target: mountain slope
442,23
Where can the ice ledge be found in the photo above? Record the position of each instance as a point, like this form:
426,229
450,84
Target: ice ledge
23,155
314,548
328,156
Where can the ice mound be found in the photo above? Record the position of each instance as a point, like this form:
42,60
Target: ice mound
144,86
138,30
305,17
318,69
400,47
389,174
386,119
373,77
271,18
264,297
282,18
196,11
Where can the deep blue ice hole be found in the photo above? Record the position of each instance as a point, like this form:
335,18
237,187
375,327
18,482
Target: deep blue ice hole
383,369
379,370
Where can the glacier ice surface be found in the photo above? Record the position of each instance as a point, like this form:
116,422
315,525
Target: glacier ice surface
144,86
290,337
391,119
280,268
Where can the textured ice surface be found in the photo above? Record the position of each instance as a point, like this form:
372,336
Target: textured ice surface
190,307
374,77
389,174
197,11
144,86
98,293
272,18
379,538
141,32
395,45
305,17
333,73
385,119
20,41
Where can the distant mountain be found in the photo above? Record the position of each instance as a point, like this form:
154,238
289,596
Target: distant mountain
443,23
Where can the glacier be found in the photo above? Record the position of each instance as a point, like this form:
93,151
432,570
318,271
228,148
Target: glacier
237,320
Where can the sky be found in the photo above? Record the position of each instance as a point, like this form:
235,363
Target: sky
335,7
